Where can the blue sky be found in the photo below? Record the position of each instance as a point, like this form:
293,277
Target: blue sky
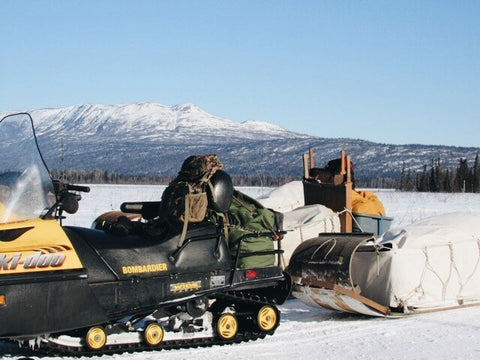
388,71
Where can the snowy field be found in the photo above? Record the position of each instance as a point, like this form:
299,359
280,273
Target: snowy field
312,333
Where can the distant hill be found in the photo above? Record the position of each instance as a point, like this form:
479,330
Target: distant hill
151,138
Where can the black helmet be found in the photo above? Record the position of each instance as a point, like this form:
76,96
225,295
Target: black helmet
220,191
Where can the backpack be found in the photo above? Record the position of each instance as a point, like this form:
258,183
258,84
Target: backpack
185,198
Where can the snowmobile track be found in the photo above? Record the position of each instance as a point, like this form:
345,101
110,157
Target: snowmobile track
242,299
52,348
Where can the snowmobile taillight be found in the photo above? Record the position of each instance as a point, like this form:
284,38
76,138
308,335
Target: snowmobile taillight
3,301
251,274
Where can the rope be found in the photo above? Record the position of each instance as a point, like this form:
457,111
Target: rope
453,268
325,243
428,266
350,212
462,284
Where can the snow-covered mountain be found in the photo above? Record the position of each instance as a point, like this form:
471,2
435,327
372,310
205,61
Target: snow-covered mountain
151,138
149,122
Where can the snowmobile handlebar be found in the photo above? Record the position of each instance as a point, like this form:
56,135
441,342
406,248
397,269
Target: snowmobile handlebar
65,199
77,188
61,187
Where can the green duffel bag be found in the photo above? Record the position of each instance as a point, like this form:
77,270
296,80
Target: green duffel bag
248,217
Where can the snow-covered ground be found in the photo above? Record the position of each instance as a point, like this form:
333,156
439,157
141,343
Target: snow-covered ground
313,333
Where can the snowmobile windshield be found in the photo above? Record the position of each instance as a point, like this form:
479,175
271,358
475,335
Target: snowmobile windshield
26,188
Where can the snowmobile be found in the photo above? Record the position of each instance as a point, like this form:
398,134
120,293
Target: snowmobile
74,290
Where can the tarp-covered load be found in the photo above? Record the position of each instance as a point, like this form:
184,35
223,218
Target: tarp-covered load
429,265
434,262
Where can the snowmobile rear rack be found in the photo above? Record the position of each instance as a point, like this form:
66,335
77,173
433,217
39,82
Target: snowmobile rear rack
278,252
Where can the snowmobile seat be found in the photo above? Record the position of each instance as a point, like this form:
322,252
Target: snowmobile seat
107,254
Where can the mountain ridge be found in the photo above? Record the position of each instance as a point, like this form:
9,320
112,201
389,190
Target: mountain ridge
151,138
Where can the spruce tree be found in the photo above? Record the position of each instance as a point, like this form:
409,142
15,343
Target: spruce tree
476,175
462,178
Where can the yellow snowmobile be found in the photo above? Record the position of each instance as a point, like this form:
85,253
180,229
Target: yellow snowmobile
81,291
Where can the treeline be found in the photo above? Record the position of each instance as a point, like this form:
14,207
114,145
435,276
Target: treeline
433,178
75,176
261,180
438,178
376,182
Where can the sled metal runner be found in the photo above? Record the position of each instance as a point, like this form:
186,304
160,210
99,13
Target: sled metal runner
77,290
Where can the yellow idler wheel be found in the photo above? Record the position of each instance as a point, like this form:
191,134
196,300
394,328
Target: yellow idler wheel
153,334
267,318
227,326
96,338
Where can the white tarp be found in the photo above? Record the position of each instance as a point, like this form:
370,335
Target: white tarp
432,263
301,222
284,198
